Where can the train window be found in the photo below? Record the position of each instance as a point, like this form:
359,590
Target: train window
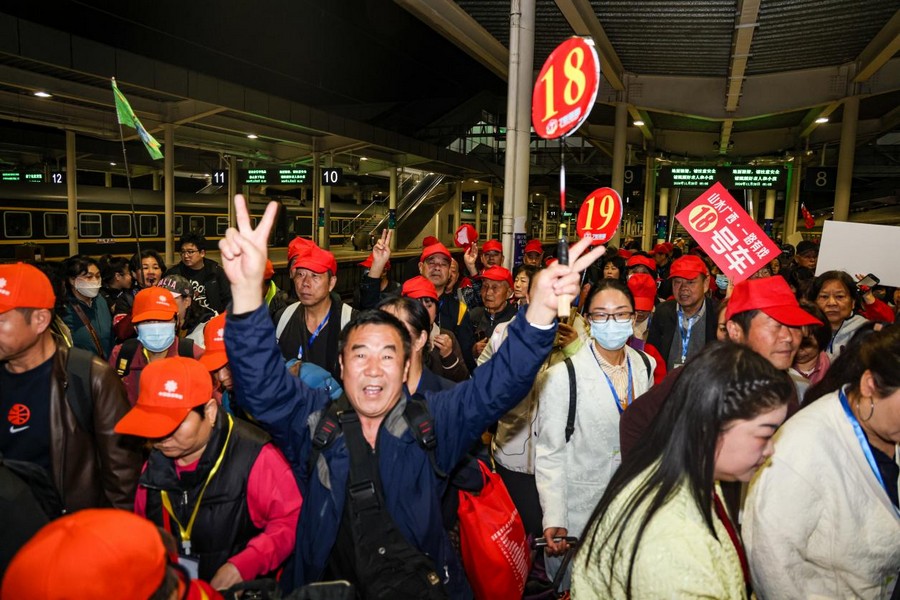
56,224
17,224
179,228
148,225
303,226
198,225
120,225
336,226
221,225
89,225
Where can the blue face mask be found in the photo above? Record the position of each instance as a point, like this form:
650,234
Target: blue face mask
156,337
722,281
611,335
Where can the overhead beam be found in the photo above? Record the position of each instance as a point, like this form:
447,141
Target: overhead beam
583,20
746,25
725,136
638,116
881,49
808,125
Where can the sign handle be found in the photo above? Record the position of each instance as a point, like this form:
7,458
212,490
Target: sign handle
562,246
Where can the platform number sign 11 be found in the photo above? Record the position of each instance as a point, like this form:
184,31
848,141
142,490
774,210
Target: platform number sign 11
566,88
219,178
600,215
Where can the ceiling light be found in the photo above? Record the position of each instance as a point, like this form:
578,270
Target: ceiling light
638,123
112,164
363,158
43,94
252,136
474,181
822,120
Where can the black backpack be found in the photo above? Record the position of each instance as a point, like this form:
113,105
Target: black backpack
39,482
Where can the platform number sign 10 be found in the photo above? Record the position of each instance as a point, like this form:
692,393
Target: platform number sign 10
332,176
566,88
600,215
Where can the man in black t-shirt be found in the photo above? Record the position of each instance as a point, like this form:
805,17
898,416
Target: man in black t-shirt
211,289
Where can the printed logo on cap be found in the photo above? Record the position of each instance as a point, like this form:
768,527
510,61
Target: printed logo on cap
171,390
163,300
220,335
3,291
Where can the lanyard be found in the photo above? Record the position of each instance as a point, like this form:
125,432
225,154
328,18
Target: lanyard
185,532
686,333
834,335
630,397
732,533
863,442
314,335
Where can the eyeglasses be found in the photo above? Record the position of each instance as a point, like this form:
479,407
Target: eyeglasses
600,317
189,252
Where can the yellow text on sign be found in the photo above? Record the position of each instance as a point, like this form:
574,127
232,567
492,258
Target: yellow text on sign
576,82
606,209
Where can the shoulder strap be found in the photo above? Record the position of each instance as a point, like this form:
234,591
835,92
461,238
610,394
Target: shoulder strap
570,419
87,323
186,347
285,319
646,364
325,433
419,419
78,388
462,313
126,354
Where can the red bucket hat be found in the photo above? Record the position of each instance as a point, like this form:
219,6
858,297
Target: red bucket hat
771,295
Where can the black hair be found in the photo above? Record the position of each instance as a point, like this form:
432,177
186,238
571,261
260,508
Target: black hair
135,262
412,312
529,270
846,368
77,265
110,266
723,383
194,238
821,333
609,284
375,317
842,276
617,261
54,272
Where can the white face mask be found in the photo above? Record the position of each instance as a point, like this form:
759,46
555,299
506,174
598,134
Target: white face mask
88,290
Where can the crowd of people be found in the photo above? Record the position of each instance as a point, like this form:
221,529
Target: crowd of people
183,431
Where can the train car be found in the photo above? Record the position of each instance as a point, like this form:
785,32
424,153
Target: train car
36,214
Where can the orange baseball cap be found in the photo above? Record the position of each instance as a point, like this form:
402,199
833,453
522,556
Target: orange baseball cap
317,261
24,286
643,288
419,287
498,274
433,249
492,246
92,553
169,389
269,271
214,357
154,304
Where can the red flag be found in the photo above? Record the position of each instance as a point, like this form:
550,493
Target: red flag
808,219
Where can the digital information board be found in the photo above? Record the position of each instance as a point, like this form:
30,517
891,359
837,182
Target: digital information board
279,176
32,177
733,178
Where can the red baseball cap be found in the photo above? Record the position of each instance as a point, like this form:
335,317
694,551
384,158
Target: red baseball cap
269,271
214,357
433,249
430,240
91,553
534,246
492,246
643,288
688,267
771,295
24,286
316,260
169,389
465,236
368,263
626,254
154,304
640,259
419,287
661,248
550,260
498,274
298,247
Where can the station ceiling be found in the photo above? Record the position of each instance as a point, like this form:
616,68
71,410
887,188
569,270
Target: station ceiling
396,81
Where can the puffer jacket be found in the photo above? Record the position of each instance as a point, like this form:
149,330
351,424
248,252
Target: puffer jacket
289,411
92,470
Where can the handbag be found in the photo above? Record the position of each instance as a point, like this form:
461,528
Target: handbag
493,544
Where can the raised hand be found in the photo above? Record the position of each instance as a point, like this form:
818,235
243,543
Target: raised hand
381,253
557,280
470,258
243,255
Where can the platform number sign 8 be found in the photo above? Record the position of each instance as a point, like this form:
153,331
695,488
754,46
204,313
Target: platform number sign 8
565,89
600,215
821,179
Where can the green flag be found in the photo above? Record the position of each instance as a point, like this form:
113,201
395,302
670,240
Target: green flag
127,117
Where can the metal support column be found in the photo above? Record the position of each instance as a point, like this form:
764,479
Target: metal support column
649,203
72,192
845,159
392,202
490,212
169,192
792,206
618,166
478,213
663,212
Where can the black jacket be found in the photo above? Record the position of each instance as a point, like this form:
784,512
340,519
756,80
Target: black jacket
665,322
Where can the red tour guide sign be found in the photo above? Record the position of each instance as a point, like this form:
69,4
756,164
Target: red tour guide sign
732,239
600,215
566,88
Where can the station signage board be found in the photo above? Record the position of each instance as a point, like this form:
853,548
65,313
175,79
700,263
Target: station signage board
732,178
32,177
277,176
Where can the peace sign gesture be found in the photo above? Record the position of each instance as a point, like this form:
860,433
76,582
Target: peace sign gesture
243,255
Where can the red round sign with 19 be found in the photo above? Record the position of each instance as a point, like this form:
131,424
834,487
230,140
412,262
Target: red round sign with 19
565,89
600,215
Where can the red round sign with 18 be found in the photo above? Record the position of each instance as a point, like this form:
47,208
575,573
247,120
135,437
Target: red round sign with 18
600,215
565,89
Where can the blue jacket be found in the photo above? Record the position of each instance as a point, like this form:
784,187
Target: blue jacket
289,411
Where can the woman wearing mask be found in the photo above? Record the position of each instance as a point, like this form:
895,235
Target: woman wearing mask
154,316
660,530
87,313
146,270
822,520
574,463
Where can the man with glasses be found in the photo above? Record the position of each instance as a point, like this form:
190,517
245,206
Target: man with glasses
211,289
683,326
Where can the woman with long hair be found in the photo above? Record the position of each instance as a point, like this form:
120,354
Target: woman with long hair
823,520
660,530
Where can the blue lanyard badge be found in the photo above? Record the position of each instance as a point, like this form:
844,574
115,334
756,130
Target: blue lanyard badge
863,442
685,332
630,398
314,335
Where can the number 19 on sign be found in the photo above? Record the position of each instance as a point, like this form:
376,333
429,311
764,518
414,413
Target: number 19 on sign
600,215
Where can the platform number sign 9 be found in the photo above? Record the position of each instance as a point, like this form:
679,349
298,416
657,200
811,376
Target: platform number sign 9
600,215
566,88
332,176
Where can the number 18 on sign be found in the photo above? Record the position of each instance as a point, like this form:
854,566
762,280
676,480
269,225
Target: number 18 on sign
565,89
600,215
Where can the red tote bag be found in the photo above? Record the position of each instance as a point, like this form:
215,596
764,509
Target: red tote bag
492,540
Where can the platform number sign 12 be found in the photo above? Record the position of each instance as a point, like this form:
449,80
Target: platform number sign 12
566,88
600,215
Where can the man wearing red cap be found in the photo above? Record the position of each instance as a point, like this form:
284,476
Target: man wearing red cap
534,253
308,330
406,548
682,326
496,288
48,421
225,493
375,285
